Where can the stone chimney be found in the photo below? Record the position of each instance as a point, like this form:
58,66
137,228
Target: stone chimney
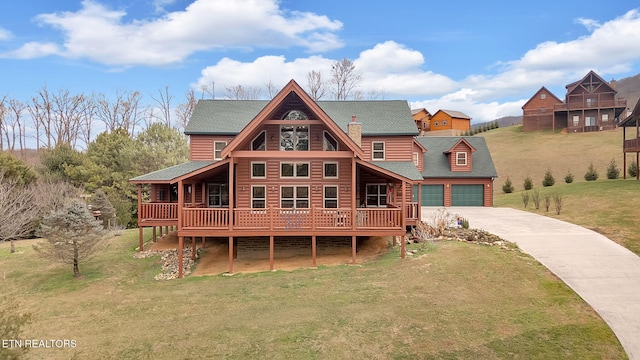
355,130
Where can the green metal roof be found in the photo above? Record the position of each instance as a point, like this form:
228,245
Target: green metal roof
404,168
378,118
436,162
173,172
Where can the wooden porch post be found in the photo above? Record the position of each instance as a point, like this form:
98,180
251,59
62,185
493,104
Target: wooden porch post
313,249
624,155
271,250
403,220
230,254
354,205
154,234
140,241
140,230
419,201
180,251
232,191
193,248
353,249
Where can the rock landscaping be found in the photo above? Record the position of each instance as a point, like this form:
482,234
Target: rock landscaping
476,236
169,260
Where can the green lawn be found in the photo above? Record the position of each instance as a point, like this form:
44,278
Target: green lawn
452,300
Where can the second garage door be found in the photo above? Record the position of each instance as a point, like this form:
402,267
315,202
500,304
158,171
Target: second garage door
467,195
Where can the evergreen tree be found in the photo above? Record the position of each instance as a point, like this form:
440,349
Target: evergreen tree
632,170
612,170
100,203
548,179
528,183
72,235
507,188
591,174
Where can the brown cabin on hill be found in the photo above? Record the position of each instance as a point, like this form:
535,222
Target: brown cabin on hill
296,169
422,117
631,138
590,104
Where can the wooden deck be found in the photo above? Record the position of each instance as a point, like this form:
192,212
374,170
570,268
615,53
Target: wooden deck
632,145
200,221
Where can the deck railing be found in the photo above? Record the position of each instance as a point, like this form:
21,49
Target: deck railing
632,144
158,211
576,105
279,218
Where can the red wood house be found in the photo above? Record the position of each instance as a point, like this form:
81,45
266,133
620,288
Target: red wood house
631,138
292,168
590,104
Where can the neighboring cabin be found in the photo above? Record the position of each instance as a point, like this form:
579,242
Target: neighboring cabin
449,122
631,138
590,104
293,168
422,117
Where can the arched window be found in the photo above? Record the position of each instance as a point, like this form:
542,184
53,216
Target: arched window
295,115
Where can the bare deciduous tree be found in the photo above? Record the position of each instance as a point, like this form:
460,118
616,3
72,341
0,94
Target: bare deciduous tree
184,110
123,112
239,92
317,87
208,90
272,90
41,110
344,79
3,111
17,210
163,102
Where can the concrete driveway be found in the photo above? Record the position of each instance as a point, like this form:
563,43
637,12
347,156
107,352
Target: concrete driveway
605,274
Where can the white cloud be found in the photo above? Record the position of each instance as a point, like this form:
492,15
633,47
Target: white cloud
5,34
403,78
100,34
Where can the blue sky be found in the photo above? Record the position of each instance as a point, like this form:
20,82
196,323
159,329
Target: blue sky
483,58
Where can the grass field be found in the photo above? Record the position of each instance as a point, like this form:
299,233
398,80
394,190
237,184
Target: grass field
606,206
451,300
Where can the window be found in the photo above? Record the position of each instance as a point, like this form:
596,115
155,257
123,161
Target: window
444,122
590,121
295,115
376,195
543,96
259,143
294,170
416,159
543,109
218,195
294,197
330,170
258,196
331,197
605,117
377,152
258,170
436,124
591,102
461,159
294,137
217,149
328,142
576,120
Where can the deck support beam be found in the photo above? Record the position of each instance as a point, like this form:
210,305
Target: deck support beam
180,254
313,249
271,251
353,248
230,254
193,248
140,239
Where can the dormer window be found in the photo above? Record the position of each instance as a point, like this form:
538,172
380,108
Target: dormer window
461,159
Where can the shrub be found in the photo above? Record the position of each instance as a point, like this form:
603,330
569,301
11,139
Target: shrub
591,174
548,179
612,170
507,188
464,223
547,202
525,198
528,183
568,178
557,202
536,198
632,170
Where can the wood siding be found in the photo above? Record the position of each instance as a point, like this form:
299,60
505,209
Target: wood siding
201,146
396,148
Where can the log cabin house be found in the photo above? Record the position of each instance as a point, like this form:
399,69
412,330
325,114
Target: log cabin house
590,104
631,138
292,168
